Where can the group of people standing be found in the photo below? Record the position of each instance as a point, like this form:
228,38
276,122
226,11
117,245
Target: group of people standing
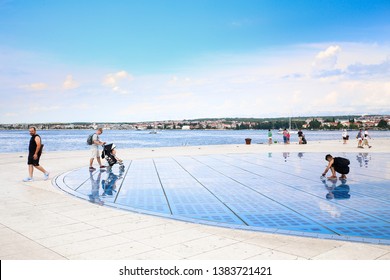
362,137
286,137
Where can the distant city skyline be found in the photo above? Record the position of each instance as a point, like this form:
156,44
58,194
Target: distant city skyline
131,61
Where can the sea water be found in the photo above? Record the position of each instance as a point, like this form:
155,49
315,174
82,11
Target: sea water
69,140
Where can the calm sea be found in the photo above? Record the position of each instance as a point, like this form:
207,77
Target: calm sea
65,140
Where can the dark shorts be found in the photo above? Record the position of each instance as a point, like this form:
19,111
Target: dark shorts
33,161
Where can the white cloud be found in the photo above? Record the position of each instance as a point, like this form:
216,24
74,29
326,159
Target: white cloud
354,62
112,79
326,61
329,53
372,95
70,83
177,96
359,70
118,82
176,81
83,106
329,99
40,108
10,115
35,86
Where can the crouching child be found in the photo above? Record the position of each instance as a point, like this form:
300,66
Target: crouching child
337,164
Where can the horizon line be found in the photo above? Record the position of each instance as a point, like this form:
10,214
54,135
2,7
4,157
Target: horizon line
205,119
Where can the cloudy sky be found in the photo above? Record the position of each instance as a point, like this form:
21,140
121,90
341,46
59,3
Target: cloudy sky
133,60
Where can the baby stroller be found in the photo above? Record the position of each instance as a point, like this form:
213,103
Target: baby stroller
109,154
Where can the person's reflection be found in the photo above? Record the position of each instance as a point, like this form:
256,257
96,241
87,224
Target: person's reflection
286,155
95,184
270,155
359,158
109,184
300,155
337,192
363,159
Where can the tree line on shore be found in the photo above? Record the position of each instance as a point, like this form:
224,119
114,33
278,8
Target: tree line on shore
313,123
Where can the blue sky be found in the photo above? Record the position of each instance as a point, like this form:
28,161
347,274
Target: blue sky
155,60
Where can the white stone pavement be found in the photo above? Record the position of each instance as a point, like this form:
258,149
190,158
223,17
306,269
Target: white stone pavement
38,221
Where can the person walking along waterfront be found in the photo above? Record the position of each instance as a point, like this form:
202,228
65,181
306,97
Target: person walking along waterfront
365,139
34,154
95,149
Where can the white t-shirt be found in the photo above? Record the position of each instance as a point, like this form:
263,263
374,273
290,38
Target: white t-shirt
95,137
